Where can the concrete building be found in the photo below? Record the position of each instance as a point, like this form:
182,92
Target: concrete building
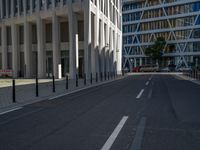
59,37
178,21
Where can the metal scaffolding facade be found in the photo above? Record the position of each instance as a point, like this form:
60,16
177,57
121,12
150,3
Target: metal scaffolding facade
177,21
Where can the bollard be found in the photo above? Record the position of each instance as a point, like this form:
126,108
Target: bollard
13,91
85,80
54,87
91,78
76,80
36,87
101,77
67,82
96,77
105,76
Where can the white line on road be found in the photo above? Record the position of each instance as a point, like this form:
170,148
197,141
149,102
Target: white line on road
137,142
14,109
147,83
114,135
140,94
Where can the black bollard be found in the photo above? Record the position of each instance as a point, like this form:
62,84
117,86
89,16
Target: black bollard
36,87
67,82
91,78
108,76
101,77
85,81
13,91
76,80
54,87
96,77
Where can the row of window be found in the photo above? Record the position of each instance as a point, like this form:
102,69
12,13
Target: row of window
141,4
173,10
64,34
21,6
179,35
162,24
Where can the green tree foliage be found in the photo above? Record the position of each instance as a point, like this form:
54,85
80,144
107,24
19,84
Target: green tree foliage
155,51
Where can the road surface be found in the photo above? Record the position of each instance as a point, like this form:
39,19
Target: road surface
146,112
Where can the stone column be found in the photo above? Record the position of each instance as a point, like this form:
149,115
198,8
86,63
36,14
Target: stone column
1,8
41,48
27,49
4,46
87,38
95,62
56,45
102,47
15,54
73,30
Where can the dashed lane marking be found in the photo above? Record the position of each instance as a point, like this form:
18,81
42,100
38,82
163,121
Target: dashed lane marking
140,94
114,135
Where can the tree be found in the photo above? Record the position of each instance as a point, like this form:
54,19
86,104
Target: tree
155,51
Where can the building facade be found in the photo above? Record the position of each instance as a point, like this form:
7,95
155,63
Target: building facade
178,21
59,37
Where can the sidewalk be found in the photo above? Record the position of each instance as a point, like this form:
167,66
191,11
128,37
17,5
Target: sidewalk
184,77
26,94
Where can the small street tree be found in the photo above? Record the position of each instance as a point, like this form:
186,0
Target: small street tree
155,51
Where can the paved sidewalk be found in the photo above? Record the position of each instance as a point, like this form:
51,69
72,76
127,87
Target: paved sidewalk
184,77
26,94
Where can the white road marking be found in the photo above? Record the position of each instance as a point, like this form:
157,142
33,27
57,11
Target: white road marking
140,94
114,135
147,83
14,109
137,142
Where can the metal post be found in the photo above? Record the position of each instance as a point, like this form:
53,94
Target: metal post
91,78
105,76
108,76
96,77
101,77
13,91
54,88
36,87
76,80
67,82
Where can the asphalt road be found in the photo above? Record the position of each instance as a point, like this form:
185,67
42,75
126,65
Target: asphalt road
147,112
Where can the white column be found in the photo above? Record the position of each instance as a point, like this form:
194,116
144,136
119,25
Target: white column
12,8
96,39
107,52
119,54
4,46
19,7
1,8
27,49
6,8
56,45
111,55
73,30
114,51
14,49
87,38
41,48
95,60
102,56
